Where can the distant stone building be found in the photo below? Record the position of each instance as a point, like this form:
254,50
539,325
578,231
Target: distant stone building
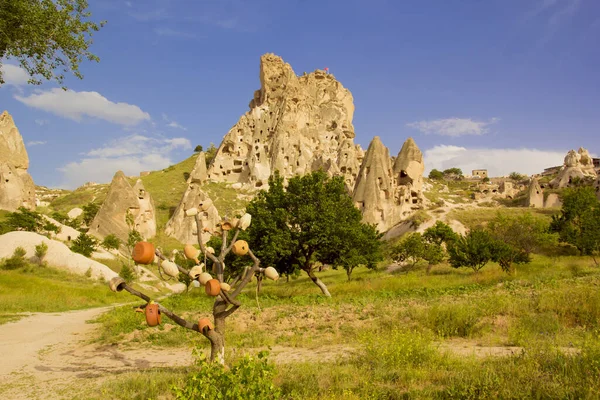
480,173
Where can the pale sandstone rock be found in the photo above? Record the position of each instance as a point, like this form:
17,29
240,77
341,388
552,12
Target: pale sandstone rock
576,165
296,125
123,199
16,186
182,227
58,254
552,201
74,213
387,194
535,195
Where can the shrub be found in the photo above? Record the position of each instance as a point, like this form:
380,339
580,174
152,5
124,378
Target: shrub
84,244
111,242
16,261
126,273
40,251
436,175
249,378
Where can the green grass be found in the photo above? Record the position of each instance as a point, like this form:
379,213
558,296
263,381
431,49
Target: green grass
228,201
44,289
80,197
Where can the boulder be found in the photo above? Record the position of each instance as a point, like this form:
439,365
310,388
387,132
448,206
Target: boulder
16,186
296,125
123,199
58,254
74,213
552,201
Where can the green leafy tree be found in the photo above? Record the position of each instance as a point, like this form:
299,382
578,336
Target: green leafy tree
40,252
578,223
516,237
84,244
453,173
474,250
210,154
313,221
126,273
517,177
485,180
89,212
111,242
47,37
16,261
436,174
27,220
362,248
198,149
440,233
413,249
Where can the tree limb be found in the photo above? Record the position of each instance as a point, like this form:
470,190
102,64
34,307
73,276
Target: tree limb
248,277
162,257
199,227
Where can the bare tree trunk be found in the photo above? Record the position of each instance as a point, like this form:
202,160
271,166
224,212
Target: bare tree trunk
258,283
217,336
318,282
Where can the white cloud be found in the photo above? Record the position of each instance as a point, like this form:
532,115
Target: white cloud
42,122
35,143
130,154
176,125
173,33
453,127
14,75
75,105
498,162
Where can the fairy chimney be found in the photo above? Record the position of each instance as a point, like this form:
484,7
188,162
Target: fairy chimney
16,186
296,125
182,227
535,195
123,200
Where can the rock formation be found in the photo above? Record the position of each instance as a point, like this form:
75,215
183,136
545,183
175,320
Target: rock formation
123,199
296,124
552,201
16,186
576,165
386,194
535,195
182,227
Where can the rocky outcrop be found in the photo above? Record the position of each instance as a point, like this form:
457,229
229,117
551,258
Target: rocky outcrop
296,125
387,194
576,165
16,186
535,195
182,227
552,201
123,199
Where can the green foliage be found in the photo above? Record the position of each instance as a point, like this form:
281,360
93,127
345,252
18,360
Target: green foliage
16,261
210,154
198,149
516,237
251,378
314,220
439,233
84,244
47,35
89,212
413,249
485,180
40,251
111,242
517,177
579,221
133,237
453,173
473,250
26,220
436,174
126,273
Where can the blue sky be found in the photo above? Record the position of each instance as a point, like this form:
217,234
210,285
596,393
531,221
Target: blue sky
499,84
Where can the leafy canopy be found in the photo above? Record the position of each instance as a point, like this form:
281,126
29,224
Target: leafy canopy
312,221
48,37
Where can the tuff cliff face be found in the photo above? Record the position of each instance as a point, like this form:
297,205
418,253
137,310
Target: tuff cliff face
535,195
576,165
296,124
182,227
123,199
387,194
16,186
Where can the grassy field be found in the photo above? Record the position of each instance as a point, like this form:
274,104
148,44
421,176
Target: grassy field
474,217
44,289
449,334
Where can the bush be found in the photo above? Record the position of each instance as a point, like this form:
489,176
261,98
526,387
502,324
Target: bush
126,273
436,175
84,244
40,251
111,242
16,261
249,378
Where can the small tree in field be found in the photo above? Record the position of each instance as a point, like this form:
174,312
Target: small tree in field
312,221
473,250
225,293
84,244
414,249
436,175
112,242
